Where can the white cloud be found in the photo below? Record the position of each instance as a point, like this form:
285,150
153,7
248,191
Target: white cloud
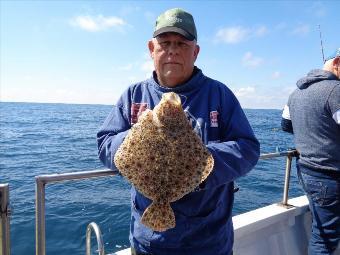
301,29
245,92
261,31
137,70
249,60
276,75
257,98
97,23
237,34
232,35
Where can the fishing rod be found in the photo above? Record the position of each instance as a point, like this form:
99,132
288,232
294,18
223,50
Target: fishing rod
323,55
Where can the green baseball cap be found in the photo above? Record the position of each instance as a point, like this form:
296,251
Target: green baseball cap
176,21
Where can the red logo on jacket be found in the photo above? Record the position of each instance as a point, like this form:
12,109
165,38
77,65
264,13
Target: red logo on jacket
214,119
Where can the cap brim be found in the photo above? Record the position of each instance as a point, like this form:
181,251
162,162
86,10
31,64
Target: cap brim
177,30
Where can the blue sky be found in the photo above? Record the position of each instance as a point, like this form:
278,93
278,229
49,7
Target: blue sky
91,51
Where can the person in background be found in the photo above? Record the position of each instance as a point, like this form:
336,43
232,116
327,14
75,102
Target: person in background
204,216
313,116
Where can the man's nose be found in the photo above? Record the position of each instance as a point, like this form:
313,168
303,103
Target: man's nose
173,48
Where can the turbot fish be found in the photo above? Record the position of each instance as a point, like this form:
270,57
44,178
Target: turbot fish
164,159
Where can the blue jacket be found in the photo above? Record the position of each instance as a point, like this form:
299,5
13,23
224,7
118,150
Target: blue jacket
203,217
312,114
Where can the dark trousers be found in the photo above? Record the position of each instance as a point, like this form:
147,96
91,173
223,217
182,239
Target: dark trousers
134,252
323,194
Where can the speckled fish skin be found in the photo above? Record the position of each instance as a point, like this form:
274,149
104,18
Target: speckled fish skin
164,159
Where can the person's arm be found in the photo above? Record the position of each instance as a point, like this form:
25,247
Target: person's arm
238,152
334,104
286,123
111,135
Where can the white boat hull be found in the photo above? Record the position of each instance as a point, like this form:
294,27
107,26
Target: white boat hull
271,230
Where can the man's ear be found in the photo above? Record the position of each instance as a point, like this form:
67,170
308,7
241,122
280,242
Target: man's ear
197,50
151,47
336,67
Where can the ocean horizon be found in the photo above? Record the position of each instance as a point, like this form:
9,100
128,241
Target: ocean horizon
78,103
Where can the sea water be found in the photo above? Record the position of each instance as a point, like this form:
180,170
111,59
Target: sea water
38,139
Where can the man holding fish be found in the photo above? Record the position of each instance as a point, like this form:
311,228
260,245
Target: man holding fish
203,216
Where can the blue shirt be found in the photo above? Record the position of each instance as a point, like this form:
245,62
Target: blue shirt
203,217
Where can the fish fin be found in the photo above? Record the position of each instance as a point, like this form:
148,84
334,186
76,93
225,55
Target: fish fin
159,217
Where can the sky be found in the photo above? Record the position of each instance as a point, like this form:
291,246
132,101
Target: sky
89,52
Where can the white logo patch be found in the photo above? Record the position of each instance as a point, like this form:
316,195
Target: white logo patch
173,18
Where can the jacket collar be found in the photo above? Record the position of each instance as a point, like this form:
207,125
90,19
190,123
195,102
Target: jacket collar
192,84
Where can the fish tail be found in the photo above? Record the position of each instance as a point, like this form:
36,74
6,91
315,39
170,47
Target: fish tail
159,217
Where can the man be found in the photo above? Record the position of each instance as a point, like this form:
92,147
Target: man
313,115
203,217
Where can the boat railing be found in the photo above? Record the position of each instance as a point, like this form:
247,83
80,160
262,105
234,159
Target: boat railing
93,226
4,220
43,180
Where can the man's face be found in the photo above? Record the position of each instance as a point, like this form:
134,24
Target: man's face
174,58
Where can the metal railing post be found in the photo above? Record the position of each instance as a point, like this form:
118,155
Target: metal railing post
289,154
40,217
287,180
4,218
93,226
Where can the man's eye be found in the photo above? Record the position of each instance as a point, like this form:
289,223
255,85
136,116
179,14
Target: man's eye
183,45
164,44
